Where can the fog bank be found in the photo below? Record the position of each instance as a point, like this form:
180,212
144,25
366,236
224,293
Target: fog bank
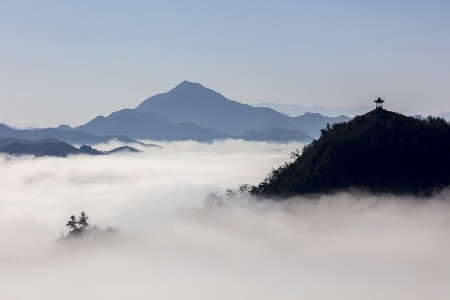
346,246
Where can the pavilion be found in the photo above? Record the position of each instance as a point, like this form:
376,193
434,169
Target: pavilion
379,103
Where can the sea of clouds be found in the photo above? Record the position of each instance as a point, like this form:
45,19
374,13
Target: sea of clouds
170,246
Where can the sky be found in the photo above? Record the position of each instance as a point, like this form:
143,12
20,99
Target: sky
171,246
69,61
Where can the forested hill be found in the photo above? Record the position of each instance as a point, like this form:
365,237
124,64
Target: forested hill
380,151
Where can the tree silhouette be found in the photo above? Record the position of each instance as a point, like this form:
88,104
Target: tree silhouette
82,221
72,223
78,226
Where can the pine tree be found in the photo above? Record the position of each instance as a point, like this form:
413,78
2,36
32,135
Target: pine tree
82,221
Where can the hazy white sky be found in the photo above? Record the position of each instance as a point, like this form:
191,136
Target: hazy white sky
69,61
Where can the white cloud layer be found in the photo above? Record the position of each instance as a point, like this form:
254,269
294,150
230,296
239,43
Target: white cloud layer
347,246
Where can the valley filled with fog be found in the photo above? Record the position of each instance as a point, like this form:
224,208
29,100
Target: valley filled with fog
170,246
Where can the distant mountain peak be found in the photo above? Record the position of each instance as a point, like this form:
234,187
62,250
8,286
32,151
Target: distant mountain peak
188,85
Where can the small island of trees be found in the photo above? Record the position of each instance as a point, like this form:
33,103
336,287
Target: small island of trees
80,227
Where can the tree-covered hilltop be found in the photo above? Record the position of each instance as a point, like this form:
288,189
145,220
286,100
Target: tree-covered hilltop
380,151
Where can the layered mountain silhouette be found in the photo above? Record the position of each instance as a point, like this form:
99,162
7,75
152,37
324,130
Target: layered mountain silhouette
294,110
147,125
51,147
44,147
187,112
380,151
63,133
191,111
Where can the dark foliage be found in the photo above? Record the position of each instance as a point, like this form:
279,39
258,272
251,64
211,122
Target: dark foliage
380,151
77,227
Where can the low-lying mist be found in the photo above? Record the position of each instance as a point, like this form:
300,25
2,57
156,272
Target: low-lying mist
345,246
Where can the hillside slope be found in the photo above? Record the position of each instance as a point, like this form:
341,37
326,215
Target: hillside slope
380,151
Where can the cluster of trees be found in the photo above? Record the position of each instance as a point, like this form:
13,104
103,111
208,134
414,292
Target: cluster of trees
380,151
77,227
80,227
214,200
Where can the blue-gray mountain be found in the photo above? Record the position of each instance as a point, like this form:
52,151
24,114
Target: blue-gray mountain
140,125
44,147
191,111
51,147
63,133
294,110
